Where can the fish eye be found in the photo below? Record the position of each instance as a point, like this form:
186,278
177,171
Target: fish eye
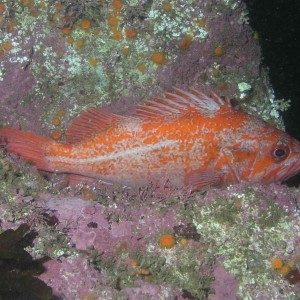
280,153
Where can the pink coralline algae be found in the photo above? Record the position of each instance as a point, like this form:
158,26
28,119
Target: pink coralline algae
89,228
70,278
225,285
108,247
92,228
146,290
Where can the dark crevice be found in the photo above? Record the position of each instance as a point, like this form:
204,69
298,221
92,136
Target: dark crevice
277,23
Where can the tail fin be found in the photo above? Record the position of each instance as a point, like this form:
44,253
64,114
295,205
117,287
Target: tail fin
29,146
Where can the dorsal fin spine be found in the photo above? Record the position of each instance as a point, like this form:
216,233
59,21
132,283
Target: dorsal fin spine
177,98
90,123
161,105
217,98
181,102
147,113
186,95
169,103
198,99
198,94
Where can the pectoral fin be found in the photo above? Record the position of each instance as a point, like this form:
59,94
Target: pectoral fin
200,179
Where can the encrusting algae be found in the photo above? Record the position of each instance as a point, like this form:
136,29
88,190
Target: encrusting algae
100,52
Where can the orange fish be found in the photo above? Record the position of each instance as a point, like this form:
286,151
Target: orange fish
187,138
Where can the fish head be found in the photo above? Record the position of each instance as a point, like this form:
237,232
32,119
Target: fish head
273,156
282,160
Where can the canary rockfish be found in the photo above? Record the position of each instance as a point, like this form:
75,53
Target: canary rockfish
186,138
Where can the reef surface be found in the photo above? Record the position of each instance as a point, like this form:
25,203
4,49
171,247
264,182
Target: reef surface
60,58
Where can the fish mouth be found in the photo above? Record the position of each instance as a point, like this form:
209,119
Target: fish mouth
279,173
288,170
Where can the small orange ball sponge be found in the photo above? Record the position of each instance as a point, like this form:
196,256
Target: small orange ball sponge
7,46
112,21
56,135
117,5
219,51
158,58
167,6
277,263
131,33
285,270
167,241
2,8
85,24
56,122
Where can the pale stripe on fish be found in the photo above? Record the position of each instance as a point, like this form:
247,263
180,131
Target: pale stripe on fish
133,151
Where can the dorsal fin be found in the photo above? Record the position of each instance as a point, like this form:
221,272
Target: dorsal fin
89,123
181,102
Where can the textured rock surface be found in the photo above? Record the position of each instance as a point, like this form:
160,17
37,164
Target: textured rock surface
104,243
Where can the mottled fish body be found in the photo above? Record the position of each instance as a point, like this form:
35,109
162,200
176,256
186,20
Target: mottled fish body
185,138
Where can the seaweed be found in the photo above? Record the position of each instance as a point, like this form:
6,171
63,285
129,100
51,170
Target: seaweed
18,269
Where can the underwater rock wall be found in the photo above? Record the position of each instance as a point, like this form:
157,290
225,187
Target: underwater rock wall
59,58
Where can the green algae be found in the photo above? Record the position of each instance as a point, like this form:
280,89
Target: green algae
183,268
63,71
14,178
246,230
